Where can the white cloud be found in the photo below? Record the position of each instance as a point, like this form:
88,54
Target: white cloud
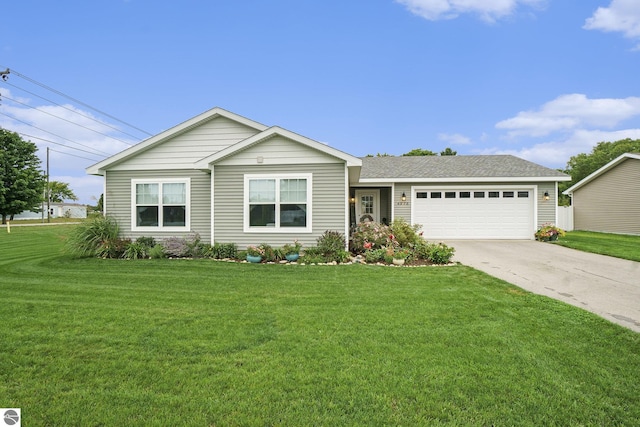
556,153
569,112
621,16
488,10
454,138
75,143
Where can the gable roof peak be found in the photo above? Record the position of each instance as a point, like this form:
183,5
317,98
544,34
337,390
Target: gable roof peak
98,168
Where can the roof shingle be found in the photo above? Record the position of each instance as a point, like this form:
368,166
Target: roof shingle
430,167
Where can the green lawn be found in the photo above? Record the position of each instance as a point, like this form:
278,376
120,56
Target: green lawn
615,245
203,343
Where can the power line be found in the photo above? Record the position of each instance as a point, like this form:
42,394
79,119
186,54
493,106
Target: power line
74,155
76,100
57,143
68,121
51,133
73,111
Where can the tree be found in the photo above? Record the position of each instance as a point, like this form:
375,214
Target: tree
419,152
582,165
448,152
60,191
21,180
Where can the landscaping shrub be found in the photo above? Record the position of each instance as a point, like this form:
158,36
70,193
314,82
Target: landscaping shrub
157,252
222,251
405,234
313,255
269,253
331,242
93,238
330,247
439,253
180,247
148,242
370,235
136,250
375,255
549,232
175,247
113,248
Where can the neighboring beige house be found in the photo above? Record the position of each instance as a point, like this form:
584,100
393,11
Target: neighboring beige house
608,200
231,179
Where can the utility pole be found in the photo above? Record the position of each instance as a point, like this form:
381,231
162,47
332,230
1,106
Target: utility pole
48,190
4,75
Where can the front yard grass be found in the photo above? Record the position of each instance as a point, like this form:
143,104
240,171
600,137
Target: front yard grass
199,342
615,245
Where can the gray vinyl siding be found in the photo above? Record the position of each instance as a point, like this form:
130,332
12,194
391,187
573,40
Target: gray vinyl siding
402,210
277,150
118,201
611,202
329,198
547,209
190,146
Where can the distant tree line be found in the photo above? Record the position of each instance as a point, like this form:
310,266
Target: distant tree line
420,152
22,181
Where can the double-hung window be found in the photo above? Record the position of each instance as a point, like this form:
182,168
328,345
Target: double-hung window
160,204
277,203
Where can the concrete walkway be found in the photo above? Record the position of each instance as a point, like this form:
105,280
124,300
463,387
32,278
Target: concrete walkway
609,287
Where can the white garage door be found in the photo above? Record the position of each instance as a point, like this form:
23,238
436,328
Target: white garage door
474,213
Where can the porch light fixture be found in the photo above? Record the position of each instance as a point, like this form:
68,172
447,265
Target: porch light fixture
352,200
404,196
546,196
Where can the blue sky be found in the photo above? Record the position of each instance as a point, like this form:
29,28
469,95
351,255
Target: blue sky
541,79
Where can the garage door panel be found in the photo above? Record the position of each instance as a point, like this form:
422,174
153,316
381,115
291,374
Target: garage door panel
475,217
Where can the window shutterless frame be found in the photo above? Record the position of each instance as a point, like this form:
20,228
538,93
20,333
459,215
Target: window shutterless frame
162,204
278,203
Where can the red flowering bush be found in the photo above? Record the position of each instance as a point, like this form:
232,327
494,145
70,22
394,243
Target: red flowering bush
369,236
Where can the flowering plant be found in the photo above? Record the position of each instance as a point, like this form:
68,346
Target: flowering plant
370,235
292,249
549,232
255,250
400,254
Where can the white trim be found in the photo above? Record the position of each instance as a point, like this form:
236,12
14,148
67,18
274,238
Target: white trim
535,210
104,194
600,171
463,180
100,167
393,203
277,177
160,227
213,233
376,204
347,206
555,221
268,133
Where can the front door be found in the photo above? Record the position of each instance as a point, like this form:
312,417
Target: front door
367,205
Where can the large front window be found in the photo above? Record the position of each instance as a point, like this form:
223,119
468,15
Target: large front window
160,204
281,203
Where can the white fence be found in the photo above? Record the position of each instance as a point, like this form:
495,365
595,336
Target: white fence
565,217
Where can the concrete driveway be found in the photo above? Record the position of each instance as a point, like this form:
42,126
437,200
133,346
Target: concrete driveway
609,287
